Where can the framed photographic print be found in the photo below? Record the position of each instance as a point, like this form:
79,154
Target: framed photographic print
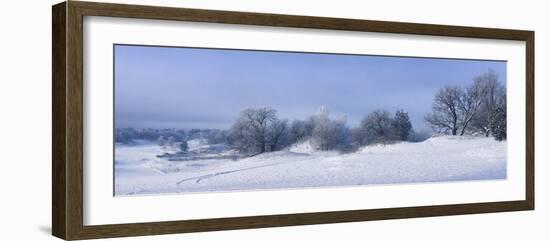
171,120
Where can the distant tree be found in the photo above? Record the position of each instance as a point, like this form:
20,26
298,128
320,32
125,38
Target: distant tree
240,137
183,146
401,125
300,130
216,136
377,126
418,136
498,122
277,135
360,136
321,128
257,131
194,134
121,136
344,138
328,134
161,141
170,141
445,115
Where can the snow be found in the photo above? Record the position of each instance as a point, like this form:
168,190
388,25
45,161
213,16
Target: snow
138,170
306,147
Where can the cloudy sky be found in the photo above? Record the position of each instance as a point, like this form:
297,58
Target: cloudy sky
164,87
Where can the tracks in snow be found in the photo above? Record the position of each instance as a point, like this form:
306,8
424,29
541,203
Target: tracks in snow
198,179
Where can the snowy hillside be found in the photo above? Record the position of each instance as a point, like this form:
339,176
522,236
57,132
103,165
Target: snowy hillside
138,170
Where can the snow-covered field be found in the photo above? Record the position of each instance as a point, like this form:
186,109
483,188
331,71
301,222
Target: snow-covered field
138,170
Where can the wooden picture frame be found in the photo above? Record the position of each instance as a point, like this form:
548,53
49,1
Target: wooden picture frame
67,124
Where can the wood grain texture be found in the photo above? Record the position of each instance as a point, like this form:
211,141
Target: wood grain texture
530,120
75,125
67,79
155,228
59,183
280,20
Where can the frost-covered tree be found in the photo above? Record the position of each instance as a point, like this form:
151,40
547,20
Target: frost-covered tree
161,141
277,135
459,110
493,91
126,135
472,109
240,137
216,136
170,141
300,130
377,126
328,134
257,131
418,136
481,121
445,116
401,125
183,146
498,122
321,128
360,137
469,103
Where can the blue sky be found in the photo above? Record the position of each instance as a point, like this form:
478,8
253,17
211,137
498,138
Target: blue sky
166,87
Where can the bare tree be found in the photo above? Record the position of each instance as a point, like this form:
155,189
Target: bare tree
446,110
457,110
468,104
481,121
493,90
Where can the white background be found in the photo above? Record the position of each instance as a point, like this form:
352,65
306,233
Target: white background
25,124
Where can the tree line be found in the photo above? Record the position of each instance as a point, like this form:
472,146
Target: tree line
166,136
479,108
259,130
476,109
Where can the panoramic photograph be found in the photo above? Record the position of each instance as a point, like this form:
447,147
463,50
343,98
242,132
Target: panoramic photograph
198,120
